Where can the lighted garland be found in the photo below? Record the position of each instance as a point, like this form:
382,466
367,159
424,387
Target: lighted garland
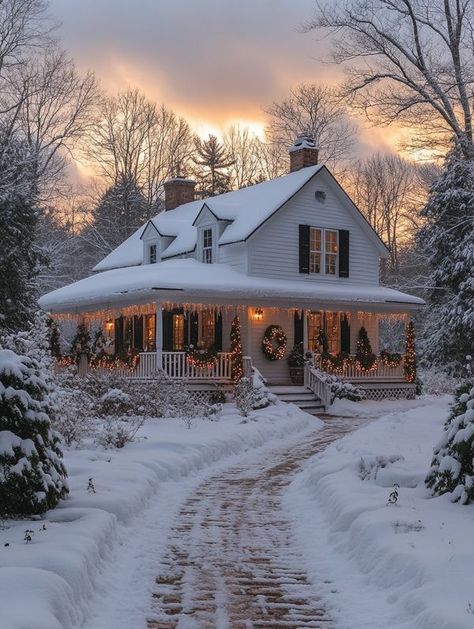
274,342
390,359
111,363
201,358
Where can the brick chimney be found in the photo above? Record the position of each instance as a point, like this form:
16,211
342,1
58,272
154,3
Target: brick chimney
303,153
178,191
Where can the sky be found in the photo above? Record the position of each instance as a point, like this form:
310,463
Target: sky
216,62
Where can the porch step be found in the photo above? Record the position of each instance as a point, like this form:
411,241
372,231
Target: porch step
300,396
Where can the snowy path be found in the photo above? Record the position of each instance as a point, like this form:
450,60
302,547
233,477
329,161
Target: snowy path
230,562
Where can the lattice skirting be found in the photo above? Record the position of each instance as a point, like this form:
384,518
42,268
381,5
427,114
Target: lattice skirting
389,391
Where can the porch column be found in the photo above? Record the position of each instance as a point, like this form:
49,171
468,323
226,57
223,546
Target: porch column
159,334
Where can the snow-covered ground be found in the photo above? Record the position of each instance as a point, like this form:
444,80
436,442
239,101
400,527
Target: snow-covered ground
403,566
95,556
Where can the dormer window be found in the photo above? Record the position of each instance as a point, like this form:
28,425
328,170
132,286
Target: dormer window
152,254
207,245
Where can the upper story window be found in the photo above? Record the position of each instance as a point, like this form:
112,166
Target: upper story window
152,254
207,245
323,251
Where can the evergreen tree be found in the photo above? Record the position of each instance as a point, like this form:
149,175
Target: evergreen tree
54,338
99,345
236,350
120,211
18,220
32,474
212,163
452,467
447,239
409,368
81,343
365,358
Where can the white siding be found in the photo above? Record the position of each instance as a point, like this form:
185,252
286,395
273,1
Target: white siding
234,255
273,251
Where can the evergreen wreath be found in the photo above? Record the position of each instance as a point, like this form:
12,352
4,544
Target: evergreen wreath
201,358
390,359
274,342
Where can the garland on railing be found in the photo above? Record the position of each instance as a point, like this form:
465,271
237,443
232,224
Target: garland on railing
274,334
201,358
390,359
337,363
114,362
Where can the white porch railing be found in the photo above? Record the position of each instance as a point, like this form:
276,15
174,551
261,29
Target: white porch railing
314,382
380,371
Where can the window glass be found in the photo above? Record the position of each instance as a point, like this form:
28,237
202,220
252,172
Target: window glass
331,251
315,251
152,254
333,332
207,246
178,332
149,332
207,328
314,328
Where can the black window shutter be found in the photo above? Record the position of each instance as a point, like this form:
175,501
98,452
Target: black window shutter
343,253
304,248
193,328
118,334
138,333
167,331
218,332
298,323
345,335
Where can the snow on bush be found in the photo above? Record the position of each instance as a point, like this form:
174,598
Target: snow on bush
437,382
32,474
115,402
369,467
342,389
251,394
452,467
116,432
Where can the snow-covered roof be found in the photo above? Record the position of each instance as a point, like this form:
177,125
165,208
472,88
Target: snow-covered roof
189,281
246,209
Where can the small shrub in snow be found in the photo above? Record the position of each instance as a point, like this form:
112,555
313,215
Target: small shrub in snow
32,474
369,467
437,382
393,496
452,467
244,396
116,432
28,537
342,389
217,396
91,487
115,402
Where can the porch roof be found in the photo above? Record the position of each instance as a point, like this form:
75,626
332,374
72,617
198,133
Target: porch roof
188,281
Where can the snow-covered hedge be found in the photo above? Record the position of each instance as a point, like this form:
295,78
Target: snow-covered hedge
342,389
452,467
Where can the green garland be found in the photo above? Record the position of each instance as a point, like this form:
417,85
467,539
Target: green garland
202,358
390,359
274,334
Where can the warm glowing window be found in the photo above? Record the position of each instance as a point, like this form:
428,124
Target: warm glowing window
207,246
315,250
207,328
314,331
152,258
149,332
323,251
331,248
330,323
333,332
178,332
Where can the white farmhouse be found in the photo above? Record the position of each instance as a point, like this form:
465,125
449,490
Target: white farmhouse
293,252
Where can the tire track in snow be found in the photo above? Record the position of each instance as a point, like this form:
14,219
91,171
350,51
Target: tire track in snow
230,562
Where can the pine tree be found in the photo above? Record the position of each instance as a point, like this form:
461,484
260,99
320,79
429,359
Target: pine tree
120,211
18,220
212,162
81,343
409,368
54,338
244,396
447,240
365,358
32,474
236,350
452,467
99,345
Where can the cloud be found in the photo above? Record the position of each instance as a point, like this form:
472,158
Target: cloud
211,60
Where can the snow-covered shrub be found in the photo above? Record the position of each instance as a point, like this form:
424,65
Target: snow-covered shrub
452,466
370,466
341,388
115,402
262,396
217,396
72,415
437,382
244,396
116,432
32,474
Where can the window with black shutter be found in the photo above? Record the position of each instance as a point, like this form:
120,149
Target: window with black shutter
298,327
345,335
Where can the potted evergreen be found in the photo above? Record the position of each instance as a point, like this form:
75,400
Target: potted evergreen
296,364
